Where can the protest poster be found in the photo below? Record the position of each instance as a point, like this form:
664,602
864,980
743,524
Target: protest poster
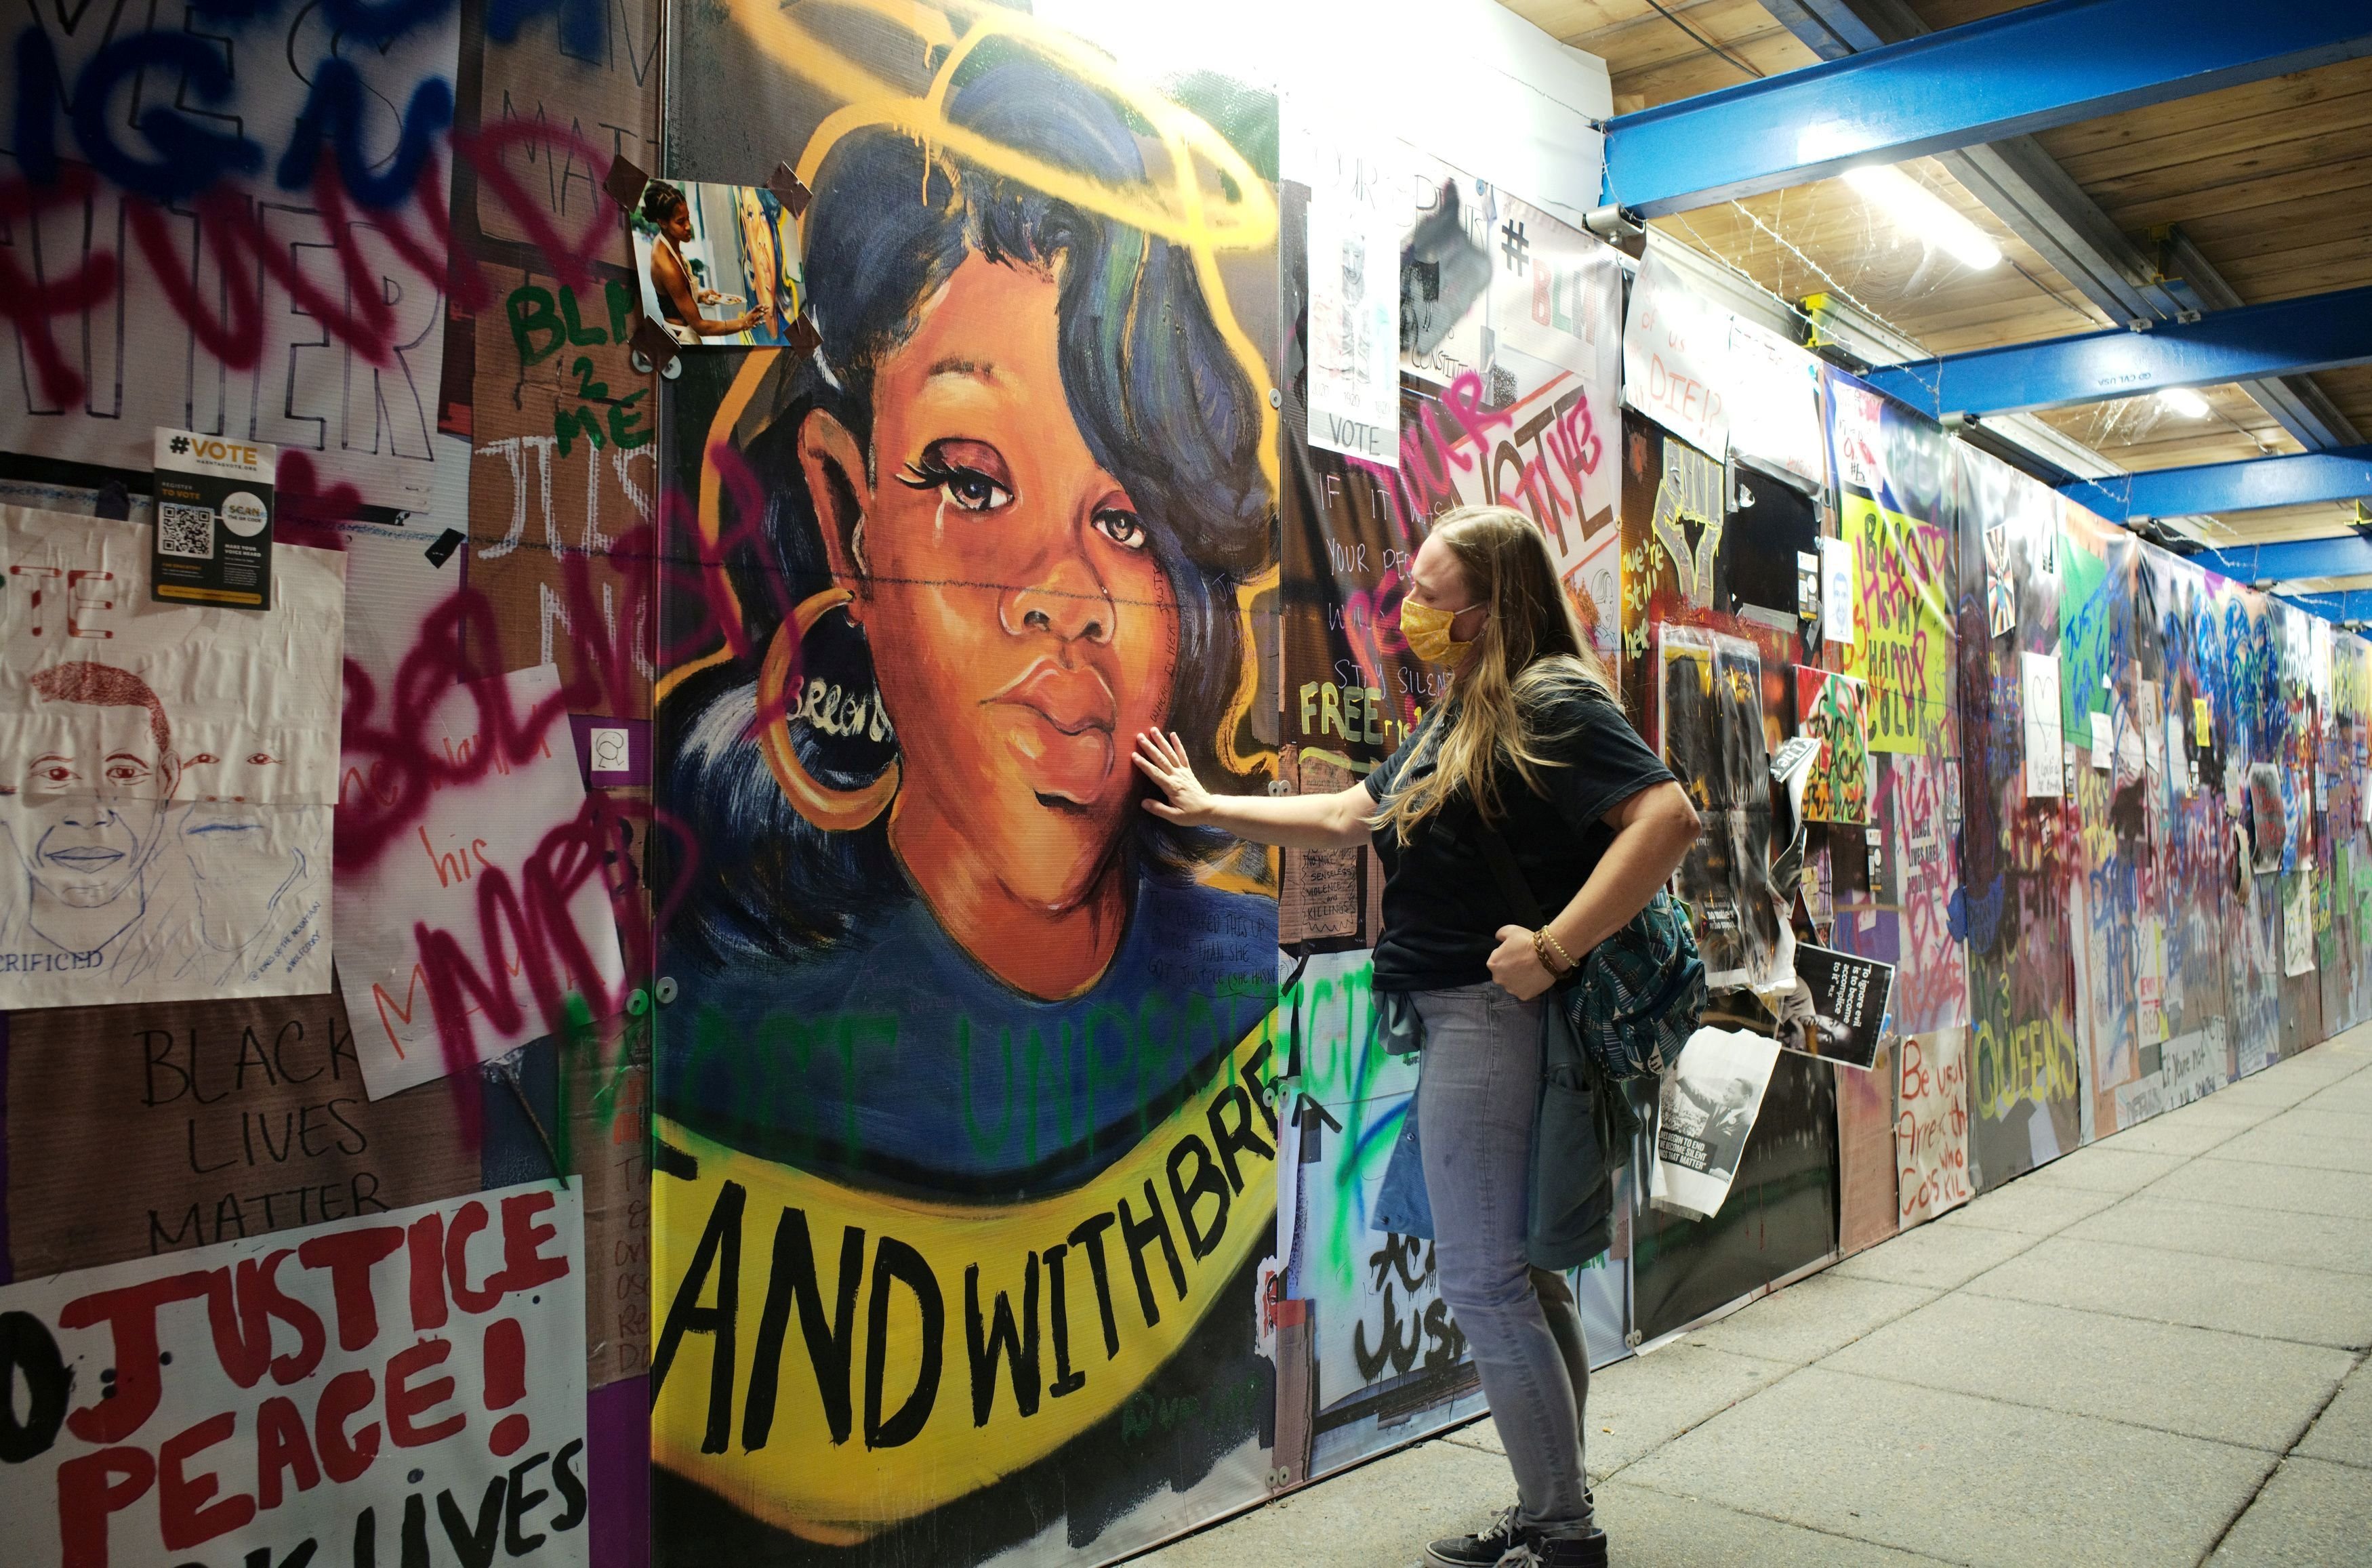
1831,709
500,872
1851,999
402,1387
166,773
212,544
1710,1099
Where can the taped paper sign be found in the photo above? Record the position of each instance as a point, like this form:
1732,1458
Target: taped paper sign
1837,590
2001,586
1356,214
426,1384
2298,926
497,872
1676,356
1777,398
2039,692
1717,381
166,774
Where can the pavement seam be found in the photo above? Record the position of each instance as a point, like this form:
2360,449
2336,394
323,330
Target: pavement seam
2177,1323
1794,1523
2091,1415
1706,1420
2267,1479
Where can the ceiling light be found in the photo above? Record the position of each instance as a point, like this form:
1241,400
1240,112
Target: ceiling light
2184,401
1923,216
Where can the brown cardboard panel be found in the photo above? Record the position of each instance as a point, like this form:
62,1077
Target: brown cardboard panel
157,1127
565,462
609,1129
607,102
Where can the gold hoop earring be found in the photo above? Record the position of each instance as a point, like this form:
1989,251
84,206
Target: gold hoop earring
834,810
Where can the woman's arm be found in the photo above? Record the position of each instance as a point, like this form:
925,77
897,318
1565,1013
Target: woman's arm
1653,830
1297,821
667,276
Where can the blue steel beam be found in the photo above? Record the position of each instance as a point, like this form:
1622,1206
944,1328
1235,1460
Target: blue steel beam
2229,487
2349,555
2021,71
2353,605
2316,332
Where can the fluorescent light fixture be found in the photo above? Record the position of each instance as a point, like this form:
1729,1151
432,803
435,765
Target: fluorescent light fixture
2184,401
1923,216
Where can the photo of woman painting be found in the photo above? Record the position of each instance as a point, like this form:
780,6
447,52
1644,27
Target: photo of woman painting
932,946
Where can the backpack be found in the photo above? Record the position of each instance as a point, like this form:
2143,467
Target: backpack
1640,993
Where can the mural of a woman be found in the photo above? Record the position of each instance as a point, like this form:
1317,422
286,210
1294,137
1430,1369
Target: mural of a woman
946,982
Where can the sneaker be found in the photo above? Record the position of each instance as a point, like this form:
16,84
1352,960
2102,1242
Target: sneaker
1482,1551
1506,1545
1584,1549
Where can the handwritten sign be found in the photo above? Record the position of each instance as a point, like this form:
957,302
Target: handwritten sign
435,878
1931,1127
1902,594
347,1392
1676,356
161,1127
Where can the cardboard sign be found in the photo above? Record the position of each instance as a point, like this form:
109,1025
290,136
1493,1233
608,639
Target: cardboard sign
212,544
160,1127
402,1386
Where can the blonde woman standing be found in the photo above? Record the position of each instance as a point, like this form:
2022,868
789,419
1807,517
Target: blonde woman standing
1531,739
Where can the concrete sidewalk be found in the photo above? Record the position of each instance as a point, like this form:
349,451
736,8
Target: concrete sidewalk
2149,1352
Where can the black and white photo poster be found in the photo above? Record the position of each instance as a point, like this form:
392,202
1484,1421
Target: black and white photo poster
1710,1099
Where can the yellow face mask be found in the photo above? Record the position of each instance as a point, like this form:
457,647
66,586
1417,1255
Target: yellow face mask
1427,631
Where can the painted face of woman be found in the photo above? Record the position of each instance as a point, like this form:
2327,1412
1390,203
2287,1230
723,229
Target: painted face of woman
1018,621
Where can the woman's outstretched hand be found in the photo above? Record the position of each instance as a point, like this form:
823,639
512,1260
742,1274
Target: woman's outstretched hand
1162,758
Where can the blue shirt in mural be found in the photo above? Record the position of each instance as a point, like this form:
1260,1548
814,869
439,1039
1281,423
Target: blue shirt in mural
895,1060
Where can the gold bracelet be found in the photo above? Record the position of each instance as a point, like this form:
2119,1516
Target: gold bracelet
1563,957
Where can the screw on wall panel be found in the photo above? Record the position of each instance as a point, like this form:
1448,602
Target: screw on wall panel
665,989
1633,1339
1276,398
638,1004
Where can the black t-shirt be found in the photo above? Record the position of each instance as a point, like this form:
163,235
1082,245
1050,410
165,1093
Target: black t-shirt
1442,906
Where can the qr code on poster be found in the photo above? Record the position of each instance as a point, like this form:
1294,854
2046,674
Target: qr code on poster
185,531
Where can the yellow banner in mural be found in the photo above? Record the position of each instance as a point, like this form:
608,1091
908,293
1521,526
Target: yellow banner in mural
808,1327
1903,615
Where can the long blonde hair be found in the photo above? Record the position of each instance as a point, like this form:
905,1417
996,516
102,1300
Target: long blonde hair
1530,652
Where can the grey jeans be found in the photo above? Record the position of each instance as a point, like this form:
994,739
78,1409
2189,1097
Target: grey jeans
1475,1110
